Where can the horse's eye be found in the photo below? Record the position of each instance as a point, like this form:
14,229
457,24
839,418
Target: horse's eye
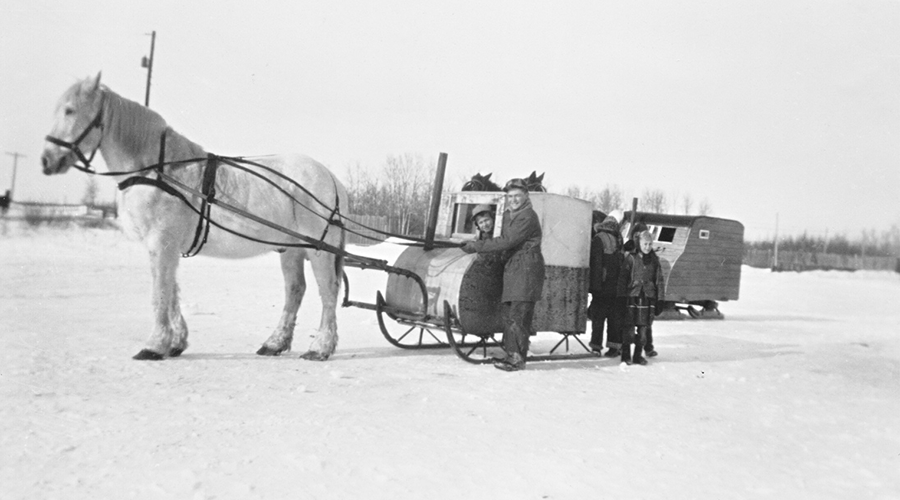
69,111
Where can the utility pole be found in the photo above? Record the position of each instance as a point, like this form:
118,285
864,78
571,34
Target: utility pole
16,155
148,63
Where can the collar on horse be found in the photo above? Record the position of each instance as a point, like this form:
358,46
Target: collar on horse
207,189
75,146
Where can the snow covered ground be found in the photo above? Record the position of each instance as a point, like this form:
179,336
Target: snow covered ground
795,395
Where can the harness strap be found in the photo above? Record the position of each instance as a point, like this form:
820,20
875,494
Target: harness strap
208,189
157,183
162,151
335,211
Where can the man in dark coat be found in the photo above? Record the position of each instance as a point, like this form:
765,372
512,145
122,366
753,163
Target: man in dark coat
606,259
523,273
642,283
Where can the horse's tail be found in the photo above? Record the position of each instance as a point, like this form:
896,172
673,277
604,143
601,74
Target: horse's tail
339,258
342,244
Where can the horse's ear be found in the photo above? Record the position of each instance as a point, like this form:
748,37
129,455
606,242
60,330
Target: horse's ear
93,83
90,85
541,177
488,176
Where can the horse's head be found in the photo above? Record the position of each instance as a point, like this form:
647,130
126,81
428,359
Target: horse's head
535,182
480,182
77,127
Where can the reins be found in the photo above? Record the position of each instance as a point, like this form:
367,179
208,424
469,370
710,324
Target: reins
168,184
207,192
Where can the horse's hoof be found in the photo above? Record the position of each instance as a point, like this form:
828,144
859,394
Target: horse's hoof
268,351
175,352
314,356
147,355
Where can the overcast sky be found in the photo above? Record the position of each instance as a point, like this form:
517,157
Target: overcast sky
760,107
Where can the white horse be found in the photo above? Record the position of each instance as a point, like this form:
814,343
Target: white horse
91,117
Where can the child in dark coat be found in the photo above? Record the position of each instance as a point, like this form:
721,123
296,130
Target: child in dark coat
642,283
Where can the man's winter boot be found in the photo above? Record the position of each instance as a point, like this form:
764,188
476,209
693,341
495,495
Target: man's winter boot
514,362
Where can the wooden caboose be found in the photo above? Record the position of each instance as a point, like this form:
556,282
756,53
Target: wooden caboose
701,257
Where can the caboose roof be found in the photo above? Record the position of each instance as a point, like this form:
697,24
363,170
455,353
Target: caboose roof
671,220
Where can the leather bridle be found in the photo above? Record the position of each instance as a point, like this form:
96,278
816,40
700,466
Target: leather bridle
74,146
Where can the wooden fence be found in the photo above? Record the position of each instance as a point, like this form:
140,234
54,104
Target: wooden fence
804,261
43,212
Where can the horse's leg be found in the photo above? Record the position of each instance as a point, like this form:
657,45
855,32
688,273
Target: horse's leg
163,266
294,287
328,277
179,326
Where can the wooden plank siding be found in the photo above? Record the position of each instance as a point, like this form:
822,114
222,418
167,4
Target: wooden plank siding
708,269
698,269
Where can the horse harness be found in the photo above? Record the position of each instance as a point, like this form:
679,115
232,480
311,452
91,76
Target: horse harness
207,191
207,196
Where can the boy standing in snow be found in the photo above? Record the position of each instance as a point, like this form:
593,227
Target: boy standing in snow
641,283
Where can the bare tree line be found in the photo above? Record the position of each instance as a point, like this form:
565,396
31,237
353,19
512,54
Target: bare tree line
399,190
611,197
871,243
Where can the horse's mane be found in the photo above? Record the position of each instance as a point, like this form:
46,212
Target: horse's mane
138,128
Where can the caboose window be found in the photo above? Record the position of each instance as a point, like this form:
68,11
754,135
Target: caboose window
704,234
462,218
666,235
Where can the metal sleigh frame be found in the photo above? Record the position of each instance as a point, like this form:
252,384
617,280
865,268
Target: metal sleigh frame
421,329
468,352
427,325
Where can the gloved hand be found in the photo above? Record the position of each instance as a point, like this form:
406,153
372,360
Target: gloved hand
658,309
469,248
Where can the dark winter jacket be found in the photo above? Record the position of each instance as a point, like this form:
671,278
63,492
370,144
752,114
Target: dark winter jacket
642,272
606,260
520,241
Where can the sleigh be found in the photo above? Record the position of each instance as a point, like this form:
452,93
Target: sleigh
454,299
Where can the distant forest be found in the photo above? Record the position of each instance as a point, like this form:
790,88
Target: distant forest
871,243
